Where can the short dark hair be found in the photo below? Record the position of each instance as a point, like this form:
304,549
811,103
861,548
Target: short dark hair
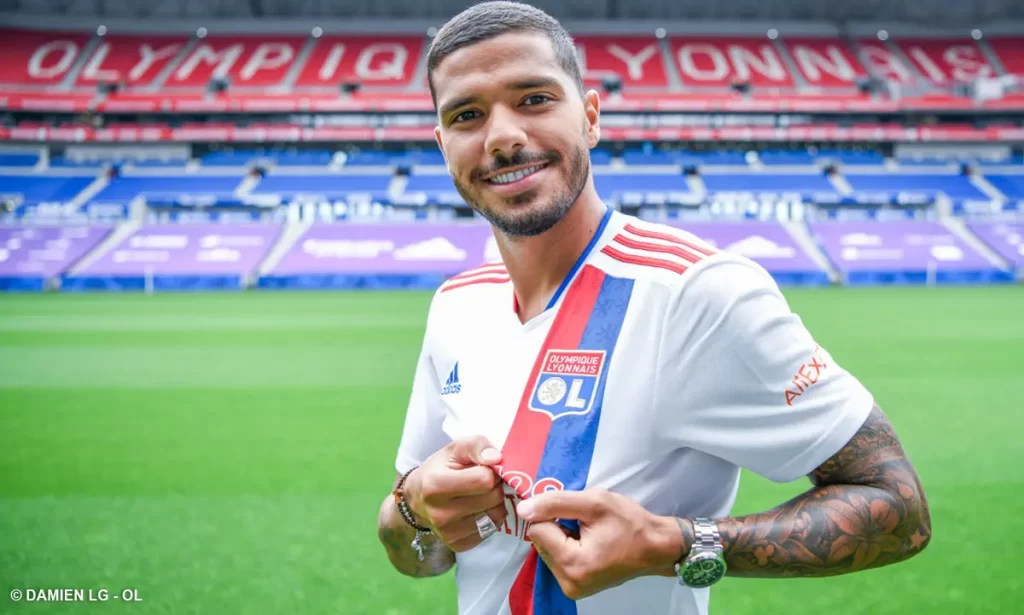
492,19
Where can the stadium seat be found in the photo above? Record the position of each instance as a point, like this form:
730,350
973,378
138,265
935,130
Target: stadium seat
17,160
851,157
356,159
613,187
228,159
329,186
42,188
956,187
786,157
64,162
124,189
1012,186
435,188
768,183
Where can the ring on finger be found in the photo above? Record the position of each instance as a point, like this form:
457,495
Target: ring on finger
485,526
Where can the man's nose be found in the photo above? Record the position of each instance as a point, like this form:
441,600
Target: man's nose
505,132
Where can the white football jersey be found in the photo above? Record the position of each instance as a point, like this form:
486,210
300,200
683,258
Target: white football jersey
660,369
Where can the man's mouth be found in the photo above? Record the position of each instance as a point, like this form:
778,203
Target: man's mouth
514,176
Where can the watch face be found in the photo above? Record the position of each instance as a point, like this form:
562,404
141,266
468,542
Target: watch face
703,570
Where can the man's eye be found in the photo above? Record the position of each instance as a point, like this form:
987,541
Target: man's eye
463,117
536,99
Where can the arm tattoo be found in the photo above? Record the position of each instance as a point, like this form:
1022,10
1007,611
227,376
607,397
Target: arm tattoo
397,536
437,560
867,509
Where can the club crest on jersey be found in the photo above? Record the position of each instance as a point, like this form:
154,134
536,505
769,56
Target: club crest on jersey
567,383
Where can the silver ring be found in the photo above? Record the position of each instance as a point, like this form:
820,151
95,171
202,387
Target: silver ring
485,526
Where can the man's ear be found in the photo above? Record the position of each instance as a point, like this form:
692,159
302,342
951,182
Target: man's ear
592,110
440,145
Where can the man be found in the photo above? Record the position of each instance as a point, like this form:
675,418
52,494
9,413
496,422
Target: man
581,411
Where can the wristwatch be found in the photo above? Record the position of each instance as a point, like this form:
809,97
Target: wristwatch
705,564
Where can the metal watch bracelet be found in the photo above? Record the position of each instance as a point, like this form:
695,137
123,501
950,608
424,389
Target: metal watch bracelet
705,534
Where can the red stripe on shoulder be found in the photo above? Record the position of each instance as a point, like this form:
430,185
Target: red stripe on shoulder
476,280
643,260
491,268
706,251
658,247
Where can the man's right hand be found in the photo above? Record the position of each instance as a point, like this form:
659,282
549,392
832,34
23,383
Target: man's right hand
454,487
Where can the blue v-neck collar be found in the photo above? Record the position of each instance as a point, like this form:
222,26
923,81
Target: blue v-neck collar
582,258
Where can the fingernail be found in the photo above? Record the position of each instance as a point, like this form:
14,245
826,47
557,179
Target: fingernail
525,509
490,454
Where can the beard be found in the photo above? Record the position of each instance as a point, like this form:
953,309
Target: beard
522,215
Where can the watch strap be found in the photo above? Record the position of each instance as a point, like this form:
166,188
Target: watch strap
705,535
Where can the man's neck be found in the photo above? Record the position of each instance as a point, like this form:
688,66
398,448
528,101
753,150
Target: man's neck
538,265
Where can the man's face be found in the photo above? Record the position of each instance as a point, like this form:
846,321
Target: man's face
514,131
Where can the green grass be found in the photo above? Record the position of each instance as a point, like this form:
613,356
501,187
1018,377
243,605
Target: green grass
228,453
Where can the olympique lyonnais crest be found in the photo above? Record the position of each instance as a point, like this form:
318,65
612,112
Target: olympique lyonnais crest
567,383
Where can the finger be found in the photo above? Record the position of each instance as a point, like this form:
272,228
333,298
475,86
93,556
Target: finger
474,480
467,526
464,533
477,502
552,542
475,450
471,506
580,505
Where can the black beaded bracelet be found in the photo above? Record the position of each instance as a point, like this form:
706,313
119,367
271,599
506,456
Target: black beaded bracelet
403,506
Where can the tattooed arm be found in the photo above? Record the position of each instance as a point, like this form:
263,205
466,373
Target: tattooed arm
396,535
867,509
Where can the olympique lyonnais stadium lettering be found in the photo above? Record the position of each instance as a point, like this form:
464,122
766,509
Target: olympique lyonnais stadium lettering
254,60
392,59
573,364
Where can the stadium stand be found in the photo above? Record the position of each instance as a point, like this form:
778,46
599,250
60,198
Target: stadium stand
295,156
64,71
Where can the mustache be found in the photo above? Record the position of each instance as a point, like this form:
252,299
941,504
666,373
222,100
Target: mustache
520,158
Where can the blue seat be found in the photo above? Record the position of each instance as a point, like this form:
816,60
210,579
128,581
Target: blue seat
954,186
371,158
42,188
19,160
714,158
311,158
638,157
229,159
768,182
852,158
125,189
611,187
331,186
786,157
1010,185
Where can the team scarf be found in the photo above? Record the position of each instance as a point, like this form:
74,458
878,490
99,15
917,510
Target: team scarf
551,442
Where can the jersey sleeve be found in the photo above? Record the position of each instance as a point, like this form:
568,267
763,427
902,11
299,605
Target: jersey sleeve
422,433
741,378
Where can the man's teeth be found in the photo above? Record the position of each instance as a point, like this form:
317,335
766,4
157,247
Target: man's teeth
506,178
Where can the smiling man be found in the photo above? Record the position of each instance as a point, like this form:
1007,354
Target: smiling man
581,411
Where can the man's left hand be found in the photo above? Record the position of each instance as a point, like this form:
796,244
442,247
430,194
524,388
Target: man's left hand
618,539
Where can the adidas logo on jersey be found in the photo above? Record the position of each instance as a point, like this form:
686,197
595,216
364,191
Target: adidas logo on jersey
452,385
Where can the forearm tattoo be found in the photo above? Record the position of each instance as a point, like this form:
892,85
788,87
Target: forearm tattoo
437,560
867,509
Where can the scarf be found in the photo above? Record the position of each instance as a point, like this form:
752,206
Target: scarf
551,442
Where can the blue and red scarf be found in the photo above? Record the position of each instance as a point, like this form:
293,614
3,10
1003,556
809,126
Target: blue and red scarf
551,443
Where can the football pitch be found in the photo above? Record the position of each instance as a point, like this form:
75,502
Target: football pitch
227,453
